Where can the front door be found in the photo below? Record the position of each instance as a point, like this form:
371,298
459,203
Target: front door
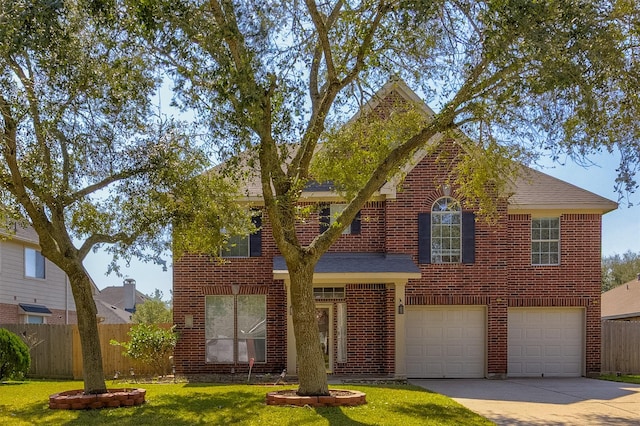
325,321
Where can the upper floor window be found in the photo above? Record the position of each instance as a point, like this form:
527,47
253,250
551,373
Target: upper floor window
237,246
245,245
329,214
33,263
446,231
545,241
446,234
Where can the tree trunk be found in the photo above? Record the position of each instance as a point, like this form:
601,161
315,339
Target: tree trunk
311,368
88,327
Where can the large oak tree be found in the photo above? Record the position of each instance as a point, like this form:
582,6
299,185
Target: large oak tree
85,159
517,76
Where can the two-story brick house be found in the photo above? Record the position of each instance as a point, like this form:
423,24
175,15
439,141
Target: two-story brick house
415,287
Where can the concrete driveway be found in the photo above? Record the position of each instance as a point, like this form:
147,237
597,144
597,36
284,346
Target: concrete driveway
550,401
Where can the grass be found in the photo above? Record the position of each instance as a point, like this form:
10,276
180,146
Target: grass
625,378
26,403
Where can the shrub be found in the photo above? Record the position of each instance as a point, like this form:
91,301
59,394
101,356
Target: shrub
14,356
150,344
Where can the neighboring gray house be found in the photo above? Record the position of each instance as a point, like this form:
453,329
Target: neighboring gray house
116,304
622,303
32,289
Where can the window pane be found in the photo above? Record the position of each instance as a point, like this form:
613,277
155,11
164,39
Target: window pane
237,246
252,330
334,212
33,263
219,329
342,332
446,231
34,319
545,241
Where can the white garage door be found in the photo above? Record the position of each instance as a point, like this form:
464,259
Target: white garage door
445,341
545,342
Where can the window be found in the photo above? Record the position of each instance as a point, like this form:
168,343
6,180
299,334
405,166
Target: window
446,234
34,319
341,327
245,245
237,246
446,231
545,241
235,329
328,215
328,292
33,263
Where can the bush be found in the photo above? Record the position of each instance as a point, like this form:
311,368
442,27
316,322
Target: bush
150,344
14,356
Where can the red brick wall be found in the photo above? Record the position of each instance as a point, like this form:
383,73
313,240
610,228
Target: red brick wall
575,282
501,277
368,331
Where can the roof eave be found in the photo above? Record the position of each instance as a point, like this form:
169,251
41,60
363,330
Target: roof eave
353,277
621,316
599,208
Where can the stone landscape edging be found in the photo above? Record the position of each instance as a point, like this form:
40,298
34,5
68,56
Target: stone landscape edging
113,398
341,398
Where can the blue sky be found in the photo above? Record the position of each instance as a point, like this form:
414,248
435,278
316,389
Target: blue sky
620,228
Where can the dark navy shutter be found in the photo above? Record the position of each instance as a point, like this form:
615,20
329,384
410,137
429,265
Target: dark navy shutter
255,239
424,237
355,224
468,237
325,218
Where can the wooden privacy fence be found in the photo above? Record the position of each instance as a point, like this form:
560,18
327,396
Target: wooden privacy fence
620,347
56,352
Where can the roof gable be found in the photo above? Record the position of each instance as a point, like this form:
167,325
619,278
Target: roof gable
531,191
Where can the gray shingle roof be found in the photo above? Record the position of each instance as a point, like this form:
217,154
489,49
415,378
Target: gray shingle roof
622,301
534,190
358,263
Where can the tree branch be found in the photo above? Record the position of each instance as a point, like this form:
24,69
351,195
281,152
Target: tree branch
32,98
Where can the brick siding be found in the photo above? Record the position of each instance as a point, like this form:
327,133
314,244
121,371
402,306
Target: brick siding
501,277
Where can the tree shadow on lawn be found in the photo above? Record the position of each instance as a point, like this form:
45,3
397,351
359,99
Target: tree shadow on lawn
443,414
165,409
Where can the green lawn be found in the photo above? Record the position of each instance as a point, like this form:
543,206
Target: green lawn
217,404
623,378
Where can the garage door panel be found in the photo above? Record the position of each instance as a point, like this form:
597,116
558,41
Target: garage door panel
545,341
452,340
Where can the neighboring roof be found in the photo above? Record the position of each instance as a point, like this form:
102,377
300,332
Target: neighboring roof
622,301
34,309
110,314
114,295
357,266
534,190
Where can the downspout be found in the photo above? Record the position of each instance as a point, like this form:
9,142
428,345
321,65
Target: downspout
66,299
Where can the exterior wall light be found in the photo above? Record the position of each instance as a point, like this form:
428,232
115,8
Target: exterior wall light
400,308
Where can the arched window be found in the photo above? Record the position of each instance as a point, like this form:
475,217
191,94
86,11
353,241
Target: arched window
446,231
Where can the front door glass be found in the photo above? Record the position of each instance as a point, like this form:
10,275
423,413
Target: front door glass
322,315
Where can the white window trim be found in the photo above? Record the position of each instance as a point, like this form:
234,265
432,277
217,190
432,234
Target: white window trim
44,264
225,250
545,241
236,338
451,252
